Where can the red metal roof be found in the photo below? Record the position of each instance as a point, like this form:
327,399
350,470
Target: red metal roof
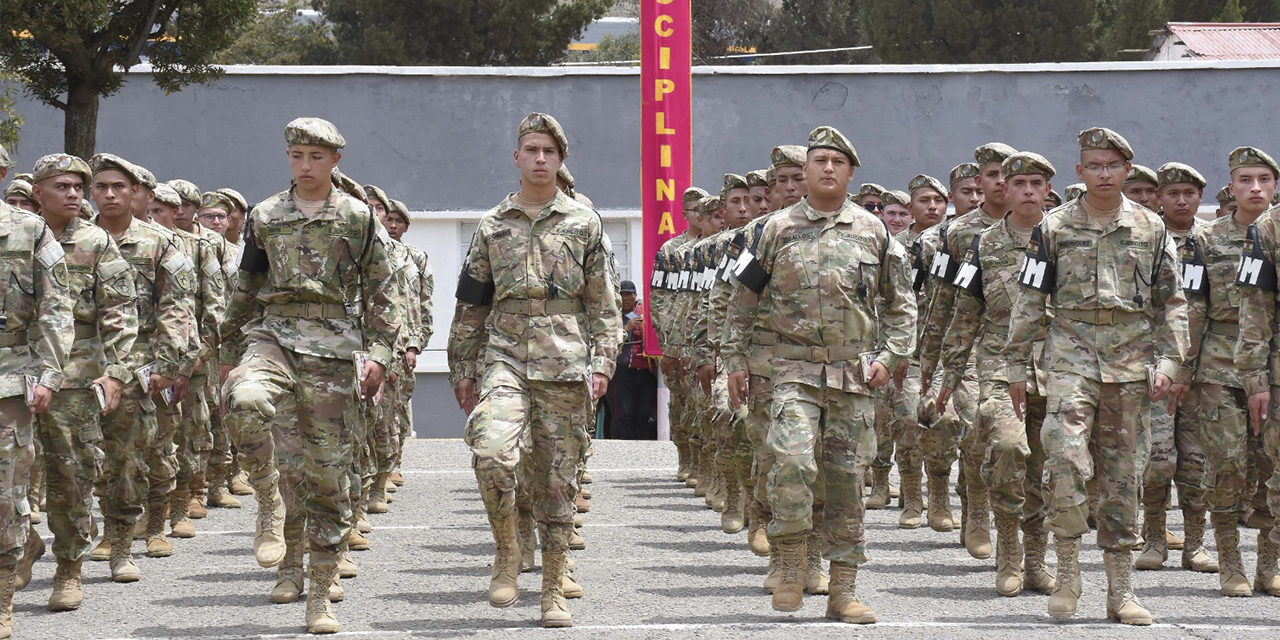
1229,40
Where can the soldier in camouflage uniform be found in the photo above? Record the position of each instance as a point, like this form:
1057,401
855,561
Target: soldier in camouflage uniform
548,328
870,196
699,258
1142,186
313,291
1092,268
136,456
965,194
832,271
1227,205
1013,464
421,289
758,182
18,195
1176,455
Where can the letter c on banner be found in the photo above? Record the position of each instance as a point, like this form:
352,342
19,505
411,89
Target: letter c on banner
658,28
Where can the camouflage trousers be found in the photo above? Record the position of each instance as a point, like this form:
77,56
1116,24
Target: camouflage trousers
221,462
1271,444
940,435
17,454
129,435
71,434
402,408
822,441
733,448
1013,463
758,420
1112,418
290,460
162,455
1175,455
1229,443
550,414
194,438
324,394
690,392
898,424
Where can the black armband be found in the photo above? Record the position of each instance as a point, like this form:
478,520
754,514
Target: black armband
1193,280
472,291
1255,269
1038,271
254,260
918,271
944,264
969,273
750,272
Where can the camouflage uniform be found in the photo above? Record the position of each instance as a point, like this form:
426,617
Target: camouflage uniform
669,327
422,285
213,475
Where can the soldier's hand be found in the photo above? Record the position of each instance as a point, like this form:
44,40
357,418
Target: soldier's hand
1162,386
900,374
1177,393
926,381
224,370
705,373
42,397
670,366
111,389
1258,410
160,383
181,385
466,395
944,396
599,385
371,378
1018,396
411,359
738,389
879,375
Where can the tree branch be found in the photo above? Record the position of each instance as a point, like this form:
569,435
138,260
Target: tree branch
141,34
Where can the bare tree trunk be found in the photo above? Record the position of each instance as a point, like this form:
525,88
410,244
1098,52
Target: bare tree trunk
80,135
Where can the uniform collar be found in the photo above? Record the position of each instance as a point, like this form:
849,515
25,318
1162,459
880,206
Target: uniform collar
844,214
559,204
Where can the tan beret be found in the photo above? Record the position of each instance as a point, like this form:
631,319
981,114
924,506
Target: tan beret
106,161
543,123
830,138
1102,138
992,152
166,194
1179,173
1027,163
964,171
1252,157
895,197
787,155
923,181
314,132
1140,173
57,164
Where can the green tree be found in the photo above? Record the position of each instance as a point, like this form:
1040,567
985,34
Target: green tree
281,37
800,25
723,27
611,48
909,31
10,119
1127,25
71,53
447,32
1046,31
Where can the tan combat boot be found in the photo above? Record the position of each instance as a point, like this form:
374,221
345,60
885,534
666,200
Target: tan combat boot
321,574
731,517
817,582
396,477
682,466
912,502
568,584
940,518
362,524
8,585
1231,577
1122,603
378,495
555,612
576,541
1066,594
357,542
962,492
1009,556
219,497
1035,571
503,589
774,576
32,550
68,592
718,496
158,546
528,541
695,469
122,567
347,567
336,592
1155,546
180,522
140,525
879,498
1267,578
842,605
789,594
268,540
1194,556
757,533
196,510
290,573
977,533
238,485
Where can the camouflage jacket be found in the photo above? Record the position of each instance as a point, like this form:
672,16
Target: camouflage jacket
1123,276
1209,258
958,233
165,282
826,273
759,357
318,285
664,290
404,299
1259,334
36,301
102,291
210,299
422,286
537,287
704,317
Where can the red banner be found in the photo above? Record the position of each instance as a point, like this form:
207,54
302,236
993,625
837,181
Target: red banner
666,131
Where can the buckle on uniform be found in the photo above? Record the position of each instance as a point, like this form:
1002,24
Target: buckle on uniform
537,307
821,354
1105,316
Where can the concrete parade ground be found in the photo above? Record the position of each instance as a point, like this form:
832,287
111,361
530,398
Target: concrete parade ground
656,566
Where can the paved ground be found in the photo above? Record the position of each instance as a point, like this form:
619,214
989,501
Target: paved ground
656,566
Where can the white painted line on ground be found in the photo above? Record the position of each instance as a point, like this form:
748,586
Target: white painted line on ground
407,527
593,470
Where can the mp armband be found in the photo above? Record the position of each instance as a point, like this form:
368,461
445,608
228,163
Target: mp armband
1038,271
918,272
475,292
1255,270
254,259
750,272
969,273
1193,280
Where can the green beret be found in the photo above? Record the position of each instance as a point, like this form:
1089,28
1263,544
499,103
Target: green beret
787,155
1225,196
148,179
348,186
1074,192
830,138
1140,173
105,161
20,188
5,161
166,194
543,123
895,197
186,189
964,171
694,194
1178,173
926,182
563,174
870,189
1053,198
708,205
235,197
1252,157
376,193
216,200
314,132
757,178
1102,138
992,152
57,164
1026,163
396,206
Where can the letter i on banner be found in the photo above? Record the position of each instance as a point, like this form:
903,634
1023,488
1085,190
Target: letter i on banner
666,131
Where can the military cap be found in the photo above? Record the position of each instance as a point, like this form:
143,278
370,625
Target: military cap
86,210
787,155
830,138
235,197
1053,198
376,193
1074,192
926,182
1140,173
543,123
216,200
186,189
165,193
694,194
20,188
5,161
148,179
348,186
1225,196
105,161
396,206
734,181
563,174
1252,157
869,189
895,197
757,178
771,177
992,152
708,205
24,176
56,164
1102,138
1025,162
314,132
964,171
1177,173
